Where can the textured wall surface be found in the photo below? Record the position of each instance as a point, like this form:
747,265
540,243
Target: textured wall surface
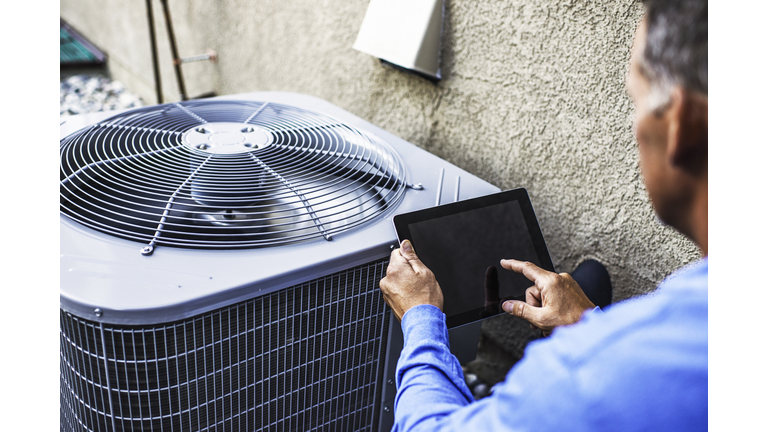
532,96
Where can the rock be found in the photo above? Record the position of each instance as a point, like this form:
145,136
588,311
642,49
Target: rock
81,94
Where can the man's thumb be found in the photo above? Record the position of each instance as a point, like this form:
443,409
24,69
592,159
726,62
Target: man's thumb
406,250
522,309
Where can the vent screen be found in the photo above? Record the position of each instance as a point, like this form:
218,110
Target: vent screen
309,357
226,175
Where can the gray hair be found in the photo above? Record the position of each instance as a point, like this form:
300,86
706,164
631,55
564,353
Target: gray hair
675,48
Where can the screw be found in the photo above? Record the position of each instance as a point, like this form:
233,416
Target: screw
248,145
247,130
390,382
203,146
386,409
147,250
97,312
391,247
202,130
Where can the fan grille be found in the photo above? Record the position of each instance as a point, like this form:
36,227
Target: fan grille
226,175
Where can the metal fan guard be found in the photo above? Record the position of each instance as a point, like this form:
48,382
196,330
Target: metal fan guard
226,175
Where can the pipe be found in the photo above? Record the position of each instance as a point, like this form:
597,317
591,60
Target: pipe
153,42
174,51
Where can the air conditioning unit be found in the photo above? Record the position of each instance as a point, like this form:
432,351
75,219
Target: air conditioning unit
220,262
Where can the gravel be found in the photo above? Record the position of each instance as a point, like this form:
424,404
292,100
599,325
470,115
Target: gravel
82,94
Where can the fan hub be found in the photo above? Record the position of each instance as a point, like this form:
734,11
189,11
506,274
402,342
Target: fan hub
226,138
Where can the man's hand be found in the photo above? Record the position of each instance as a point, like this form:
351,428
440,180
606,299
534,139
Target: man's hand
409,282
554,300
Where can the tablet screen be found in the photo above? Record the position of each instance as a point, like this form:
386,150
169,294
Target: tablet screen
460,241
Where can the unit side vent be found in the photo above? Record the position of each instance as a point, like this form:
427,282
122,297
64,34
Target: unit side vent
308,357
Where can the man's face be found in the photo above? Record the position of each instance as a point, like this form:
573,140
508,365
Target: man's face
650,129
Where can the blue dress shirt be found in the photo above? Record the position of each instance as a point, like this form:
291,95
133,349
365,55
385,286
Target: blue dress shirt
640,365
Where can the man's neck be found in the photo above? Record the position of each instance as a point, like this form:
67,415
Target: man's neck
699,228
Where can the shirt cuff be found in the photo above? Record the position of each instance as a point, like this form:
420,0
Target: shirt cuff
595,310
426,321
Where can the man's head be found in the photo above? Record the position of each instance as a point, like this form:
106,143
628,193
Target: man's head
668,84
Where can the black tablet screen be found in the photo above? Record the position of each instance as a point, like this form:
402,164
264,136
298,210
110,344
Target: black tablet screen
459,248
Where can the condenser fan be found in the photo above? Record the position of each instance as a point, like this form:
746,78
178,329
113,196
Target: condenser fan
226,175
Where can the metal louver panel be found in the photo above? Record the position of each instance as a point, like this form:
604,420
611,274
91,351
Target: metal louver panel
226,175
308,357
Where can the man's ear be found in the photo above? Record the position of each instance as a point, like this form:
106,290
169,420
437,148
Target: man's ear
688,141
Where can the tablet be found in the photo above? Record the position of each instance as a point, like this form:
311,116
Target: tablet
463,242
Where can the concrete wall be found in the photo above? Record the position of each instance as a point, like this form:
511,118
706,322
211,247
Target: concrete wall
532,96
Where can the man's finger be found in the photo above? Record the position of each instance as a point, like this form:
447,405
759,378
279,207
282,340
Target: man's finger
528,269
406,250
398,264
525,311
395,255
533,296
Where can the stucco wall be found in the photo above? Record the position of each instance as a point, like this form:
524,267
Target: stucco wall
532,96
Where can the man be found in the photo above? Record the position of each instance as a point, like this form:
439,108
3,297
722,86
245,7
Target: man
638,365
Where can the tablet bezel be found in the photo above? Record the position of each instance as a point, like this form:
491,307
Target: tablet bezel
402,222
